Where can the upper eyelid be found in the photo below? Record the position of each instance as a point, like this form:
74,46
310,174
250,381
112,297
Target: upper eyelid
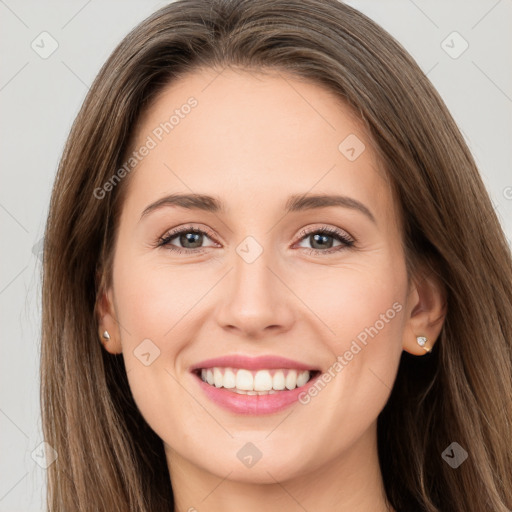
329,230
171,234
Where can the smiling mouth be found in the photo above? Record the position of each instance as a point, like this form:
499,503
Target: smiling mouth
255,382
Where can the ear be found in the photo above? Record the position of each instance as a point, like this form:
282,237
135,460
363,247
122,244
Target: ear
107,321
426,312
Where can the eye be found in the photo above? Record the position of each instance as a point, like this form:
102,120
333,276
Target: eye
322,241
190,238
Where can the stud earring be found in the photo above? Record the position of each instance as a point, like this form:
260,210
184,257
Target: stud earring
422,341
106,335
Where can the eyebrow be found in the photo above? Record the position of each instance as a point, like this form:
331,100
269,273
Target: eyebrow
295,203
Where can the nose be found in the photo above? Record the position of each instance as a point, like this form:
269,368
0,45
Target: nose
256,300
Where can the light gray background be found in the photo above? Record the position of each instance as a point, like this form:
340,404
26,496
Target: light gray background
39,99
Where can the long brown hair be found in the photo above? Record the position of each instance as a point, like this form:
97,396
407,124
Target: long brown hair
108,457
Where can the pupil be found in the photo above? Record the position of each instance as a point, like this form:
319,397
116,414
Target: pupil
318,237
194,238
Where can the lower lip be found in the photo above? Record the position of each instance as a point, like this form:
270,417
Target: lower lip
253,404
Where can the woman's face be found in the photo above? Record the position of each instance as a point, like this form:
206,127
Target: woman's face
260,278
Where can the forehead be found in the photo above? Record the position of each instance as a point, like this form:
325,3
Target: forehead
253,136
266,103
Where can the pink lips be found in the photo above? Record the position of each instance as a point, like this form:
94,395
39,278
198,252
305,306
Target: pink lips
252,363
252,404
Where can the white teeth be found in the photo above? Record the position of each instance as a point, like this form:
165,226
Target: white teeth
240,392
278,381
229,381
244,380
261,382
302,378
291,380
217,377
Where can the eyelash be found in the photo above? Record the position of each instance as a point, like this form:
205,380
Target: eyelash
346,241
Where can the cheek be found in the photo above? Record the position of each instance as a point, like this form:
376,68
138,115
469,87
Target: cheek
369,311
152,299
159,309
370,324
364,311
152,303
359,301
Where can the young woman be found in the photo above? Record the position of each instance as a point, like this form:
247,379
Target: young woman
271,222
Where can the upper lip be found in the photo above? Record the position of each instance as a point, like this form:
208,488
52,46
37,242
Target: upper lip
251,363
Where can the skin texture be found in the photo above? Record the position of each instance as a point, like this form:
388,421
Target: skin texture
253,140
